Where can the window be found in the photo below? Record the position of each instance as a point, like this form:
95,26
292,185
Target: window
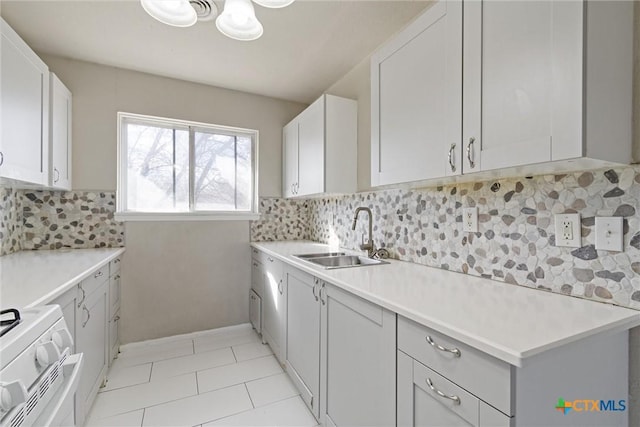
174,169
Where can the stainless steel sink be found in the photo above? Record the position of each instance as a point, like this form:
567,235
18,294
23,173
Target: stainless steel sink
340,260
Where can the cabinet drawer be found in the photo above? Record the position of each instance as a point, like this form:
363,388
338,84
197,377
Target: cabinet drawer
485,376
94,280
114,266
455,399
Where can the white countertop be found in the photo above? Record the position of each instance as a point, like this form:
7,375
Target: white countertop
31,278
506,321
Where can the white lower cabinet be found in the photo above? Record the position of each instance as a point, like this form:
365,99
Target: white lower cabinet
91,339
340,353
115,280
303,335
274,306
358,361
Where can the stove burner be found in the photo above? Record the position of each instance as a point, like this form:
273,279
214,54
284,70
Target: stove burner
9,323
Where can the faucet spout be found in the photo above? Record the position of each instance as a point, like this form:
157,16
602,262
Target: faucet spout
368,246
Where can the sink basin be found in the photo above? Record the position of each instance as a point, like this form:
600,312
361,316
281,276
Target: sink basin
320,255
340,260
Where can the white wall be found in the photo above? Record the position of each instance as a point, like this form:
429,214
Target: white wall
100,91
177,277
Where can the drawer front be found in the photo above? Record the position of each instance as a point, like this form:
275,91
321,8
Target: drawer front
114,293
485,376
257,279
443,400
95,279
114,266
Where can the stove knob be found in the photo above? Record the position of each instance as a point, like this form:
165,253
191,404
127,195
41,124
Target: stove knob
47,353
62,339
12,394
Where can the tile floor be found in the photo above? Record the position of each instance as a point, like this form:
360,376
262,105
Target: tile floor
225,377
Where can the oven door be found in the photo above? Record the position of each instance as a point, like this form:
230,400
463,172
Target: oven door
59,412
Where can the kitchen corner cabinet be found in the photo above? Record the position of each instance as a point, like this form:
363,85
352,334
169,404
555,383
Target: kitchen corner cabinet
320,148
60,134
444,382
340,353
416,99
516,88
274,310
24,111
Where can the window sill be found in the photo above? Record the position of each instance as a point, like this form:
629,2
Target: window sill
186,216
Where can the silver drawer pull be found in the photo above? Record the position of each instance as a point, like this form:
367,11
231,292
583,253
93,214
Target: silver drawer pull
84,307
98,274
270,259
452,165
453,351
116,277
456,399
469,152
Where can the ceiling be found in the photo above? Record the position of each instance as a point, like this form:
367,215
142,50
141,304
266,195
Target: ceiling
306,47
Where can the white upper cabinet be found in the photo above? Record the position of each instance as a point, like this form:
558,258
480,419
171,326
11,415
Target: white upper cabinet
515,88
24,111
319,149
290,158
416,99
546,81
60,135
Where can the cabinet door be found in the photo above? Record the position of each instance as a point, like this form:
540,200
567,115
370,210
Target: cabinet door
522,82
420,405
114,336
416,99
92,339
114,294
358,361
24,111
257,277
255,311
274,307
311,149
290,158
303,336
60,135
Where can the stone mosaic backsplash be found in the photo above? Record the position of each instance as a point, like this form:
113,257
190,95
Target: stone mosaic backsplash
10,221
516,237
281,219
60,219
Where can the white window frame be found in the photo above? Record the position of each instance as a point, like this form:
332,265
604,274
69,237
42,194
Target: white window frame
121,189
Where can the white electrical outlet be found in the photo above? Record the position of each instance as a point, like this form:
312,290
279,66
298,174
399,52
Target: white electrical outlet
609,235
568,230
470,220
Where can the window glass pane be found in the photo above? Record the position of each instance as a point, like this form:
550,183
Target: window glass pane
157,169
244,176
215,172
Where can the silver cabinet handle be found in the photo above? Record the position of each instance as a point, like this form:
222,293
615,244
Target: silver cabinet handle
115,319
255,264
452,165
84,307
84,295
98,274
469,148
314,290
280,287
117,260
322,288
1,158
270,259
453,351
456,399
57,175
116,277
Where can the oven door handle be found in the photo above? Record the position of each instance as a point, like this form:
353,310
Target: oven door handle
58,409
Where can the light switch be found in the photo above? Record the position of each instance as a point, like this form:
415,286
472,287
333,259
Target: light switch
609,233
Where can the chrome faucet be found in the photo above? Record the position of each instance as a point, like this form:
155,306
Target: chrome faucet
368,246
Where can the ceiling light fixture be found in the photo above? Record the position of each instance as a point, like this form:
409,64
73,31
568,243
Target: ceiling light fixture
238,21
274,4
177,13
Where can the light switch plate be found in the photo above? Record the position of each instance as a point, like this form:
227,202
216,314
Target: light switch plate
470,219
568,230
609,235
